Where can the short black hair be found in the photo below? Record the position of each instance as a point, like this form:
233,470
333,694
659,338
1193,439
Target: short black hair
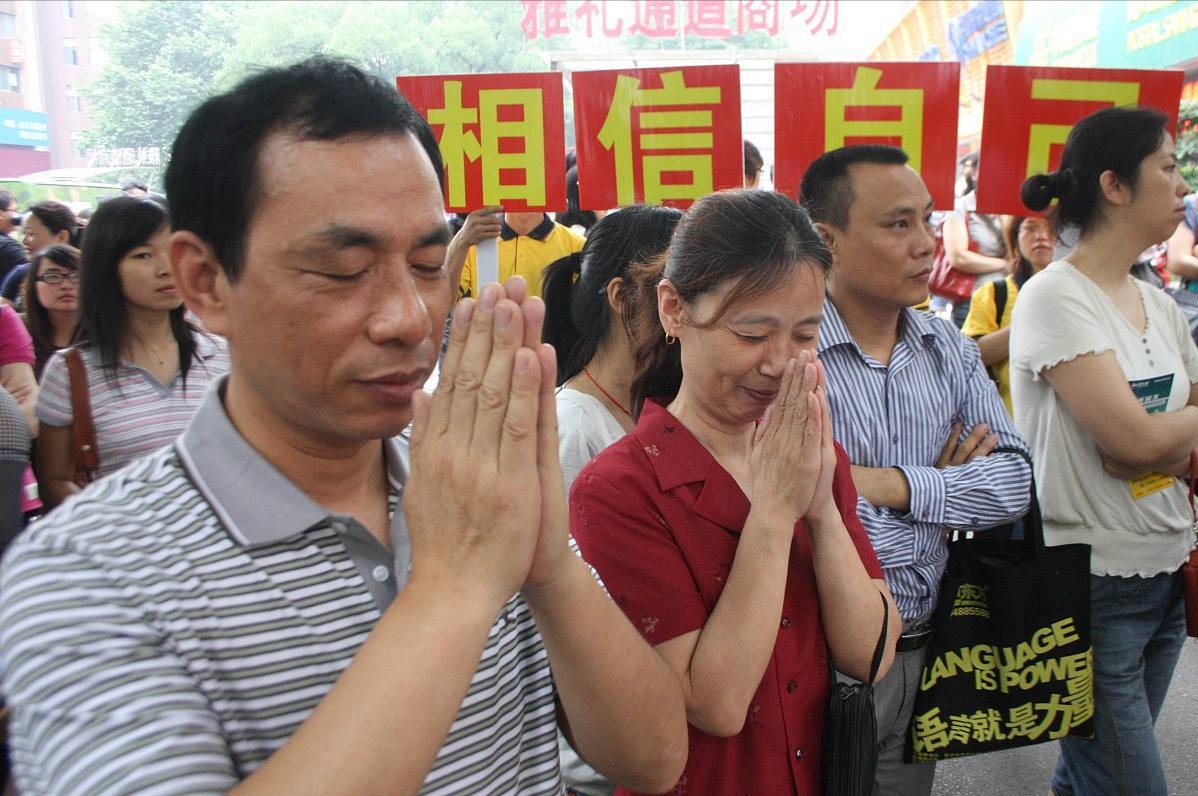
7,201
754,163
131,184
826,192
212,180
57,217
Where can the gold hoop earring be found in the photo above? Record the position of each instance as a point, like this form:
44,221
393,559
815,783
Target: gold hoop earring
670,339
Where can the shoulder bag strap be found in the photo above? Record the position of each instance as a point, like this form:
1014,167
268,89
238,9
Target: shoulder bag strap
83,428
1000,301
880,648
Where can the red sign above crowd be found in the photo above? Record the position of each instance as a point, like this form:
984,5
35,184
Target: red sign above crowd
672,135
1030,110
650,135
820,107
502,137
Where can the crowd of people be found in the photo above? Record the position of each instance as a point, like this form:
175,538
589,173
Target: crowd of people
311,509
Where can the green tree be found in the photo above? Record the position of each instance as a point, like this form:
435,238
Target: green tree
387,38
161,59
164,58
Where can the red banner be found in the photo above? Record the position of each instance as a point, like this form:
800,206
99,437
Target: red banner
502,138
821,107
1031,109
650,135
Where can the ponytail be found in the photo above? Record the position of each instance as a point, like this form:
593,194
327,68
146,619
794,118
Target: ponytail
578,315
557,287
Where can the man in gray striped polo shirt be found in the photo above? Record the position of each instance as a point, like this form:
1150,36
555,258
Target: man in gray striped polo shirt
287,601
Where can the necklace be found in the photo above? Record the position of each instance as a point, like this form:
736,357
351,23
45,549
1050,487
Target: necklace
606,394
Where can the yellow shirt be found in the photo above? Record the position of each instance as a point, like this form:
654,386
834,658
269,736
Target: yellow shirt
981,322
526,255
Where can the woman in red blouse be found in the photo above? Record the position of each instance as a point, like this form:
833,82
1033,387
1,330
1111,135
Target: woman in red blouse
733,545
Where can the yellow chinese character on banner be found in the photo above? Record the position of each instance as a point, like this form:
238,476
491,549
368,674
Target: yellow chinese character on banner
1042,137
459,144
986,725
931,731
908,128
616,136
1080,696
960,728
1022,722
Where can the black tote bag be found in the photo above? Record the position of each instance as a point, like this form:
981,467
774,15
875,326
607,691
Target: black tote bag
1010,661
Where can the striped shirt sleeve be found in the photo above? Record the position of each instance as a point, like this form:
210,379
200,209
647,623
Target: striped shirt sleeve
54,393
100,705
989,490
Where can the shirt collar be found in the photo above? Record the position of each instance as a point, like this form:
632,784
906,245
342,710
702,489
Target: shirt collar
677,458
256,503
539,232
915,329
206,346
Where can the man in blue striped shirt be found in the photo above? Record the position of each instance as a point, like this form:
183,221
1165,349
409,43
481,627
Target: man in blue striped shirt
904,387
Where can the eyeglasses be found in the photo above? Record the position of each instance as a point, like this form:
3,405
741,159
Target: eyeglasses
56,278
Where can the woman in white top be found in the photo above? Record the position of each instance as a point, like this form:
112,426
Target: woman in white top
584,296
1103,378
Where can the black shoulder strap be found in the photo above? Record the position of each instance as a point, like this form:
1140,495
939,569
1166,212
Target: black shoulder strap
1000,301
880,647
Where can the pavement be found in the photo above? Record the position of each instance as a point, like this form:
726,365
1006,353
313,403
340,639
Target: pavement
1026,772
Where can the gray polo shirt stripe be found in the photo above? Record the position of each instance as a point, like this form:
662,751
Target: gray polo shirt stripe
150,649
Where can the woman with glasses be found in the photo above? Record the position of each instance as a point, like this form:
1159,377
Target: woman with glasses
147,367
52,302
47,223
1031,242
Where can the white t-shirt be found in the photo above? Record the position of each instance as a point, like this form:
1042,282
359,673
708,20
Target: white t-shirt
584,428
1062,314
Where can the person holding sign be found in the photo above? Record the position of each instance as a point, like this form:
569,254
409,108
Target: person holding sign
528,242
913,406
724,524
1104,379
288,600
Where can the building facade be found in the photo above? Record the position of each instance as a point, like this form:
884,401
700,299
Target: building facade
49,50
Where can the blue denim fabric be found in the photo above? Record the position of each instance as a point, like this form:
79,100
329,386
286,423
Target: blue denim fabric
1138,630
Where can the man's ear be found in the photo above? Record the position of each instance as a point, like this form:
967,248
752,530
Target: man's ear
829,233
201,280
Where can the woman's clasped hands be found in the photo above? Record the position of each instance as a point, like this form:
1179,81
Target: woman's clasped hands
794,458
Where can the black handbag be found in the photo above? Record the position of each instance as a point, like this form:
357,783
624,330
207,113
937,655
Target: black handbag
1010,663
851,730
